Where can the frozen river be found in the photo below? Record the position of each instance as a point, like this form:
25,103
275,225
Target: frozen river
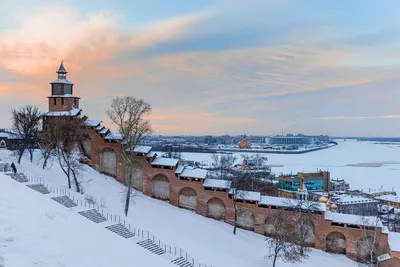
365,165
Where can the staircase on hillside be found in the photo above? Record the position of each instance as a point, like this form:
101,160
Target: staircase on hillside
120,230
182,262
151,246
65,201
93,215
39,187
19,177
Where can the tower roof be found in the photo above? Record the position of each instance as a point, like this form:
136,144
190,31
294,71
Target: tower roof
61,69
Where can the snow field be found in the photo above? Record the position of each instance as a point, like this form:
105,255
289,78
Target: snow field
208,241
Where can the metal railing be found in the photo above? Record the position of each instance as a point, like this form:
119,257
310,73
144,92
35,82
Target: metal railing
139,233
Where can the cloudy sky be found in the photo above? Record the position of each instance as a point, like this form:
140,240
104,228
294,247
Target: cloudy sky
212,67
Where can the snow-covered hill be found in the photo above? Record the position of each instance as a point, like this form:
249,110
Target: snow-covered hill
57,234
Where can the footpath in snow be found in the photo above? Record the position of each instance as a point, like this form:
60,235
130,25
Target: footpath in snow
207,240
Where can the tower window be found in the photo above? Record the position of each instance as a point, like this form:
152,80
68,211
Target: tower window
55,101
62,101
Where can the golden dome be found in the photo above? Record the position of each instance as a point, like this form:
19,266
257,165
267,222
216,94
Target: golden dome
327,205
322,199
244,143
244,166
333,206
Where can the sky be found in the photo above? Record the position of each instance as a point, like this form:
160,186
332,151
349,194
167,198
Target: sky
256,67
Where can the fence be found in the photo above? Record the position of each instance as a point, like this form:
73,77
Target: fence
139,233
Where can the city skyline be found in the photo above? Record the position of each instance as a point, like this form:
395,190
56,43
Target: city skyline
212,67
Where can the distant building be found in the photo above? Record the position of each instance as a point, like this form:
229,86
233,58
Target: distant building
339,185
290,184
356,205
299,139
9,139
389,200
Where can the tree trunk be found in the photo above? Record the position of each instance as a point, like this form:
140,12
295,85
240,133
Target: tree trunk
78,188
274,262
69,178
128,193
46,158
30,155
20,153
234,206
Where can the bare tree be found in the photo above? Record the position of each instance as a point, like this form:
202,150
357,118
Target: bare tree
301,216
281,245
63,135
367,246
26,122
223,164
129,115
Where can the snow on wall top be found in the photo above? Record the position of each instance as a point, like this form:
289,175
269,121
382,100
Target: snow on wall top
179,169
114,135
81,116
165,162
194,173
65,95
72,112
216,183
100,127
104,131
246,195
355,219
151,154
142,149
394,241
92,123
286,202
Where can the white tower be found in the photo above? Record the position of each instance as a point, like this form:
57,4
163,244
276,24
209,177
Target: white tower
302,193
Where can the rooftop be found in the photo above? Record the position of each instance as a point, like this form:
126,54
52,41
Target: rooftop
216,183
72,112
165,162
391,198
194,173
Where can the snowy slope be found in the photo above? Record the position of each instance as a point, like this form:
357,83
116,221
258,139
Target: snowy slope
207,240
37,231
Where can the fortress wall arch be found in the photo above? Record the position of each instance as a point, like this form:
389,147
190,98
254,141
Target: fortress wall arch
160,187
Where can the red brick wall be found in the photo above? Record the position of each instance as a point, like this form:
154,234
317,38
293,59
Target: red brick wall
69,103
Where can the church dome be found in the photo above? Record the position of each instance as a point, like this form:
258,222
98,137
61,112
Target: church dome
322,199
244,143
333,206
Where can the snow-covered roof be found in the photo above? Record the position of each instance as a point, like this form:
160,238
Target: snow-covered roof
384,257
92,123
165,162
217,183
178,170
142,149
65,95
246,195
104,131
62,81
391,198
394,241
194,173
100,127
355,219
385,230
286,202
72,112
349,199
151,154
114,135
81,116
